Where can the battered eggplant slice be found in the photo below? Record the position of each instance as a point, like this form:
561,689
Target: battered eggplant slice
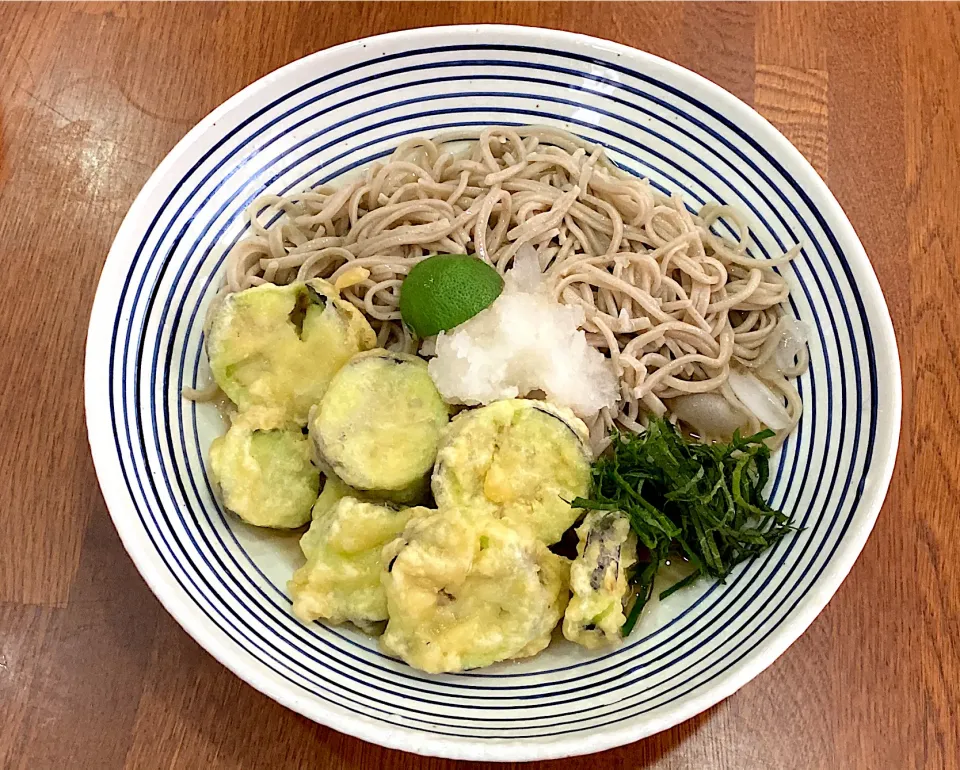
520,460
265,474
379,424
334,490
467,591
341,580
278,347
598,579
332,493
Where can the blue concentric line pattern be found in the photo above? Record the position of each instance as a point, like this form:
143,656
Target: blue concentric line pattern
329,126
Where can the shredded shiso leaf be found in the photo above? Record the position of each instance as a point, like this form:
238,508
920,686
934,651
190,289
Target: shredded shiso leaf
700,502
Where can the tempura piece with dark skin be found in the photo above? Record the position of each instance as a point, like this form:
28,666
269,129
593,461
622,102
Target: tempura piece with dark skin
598,579
378,425
520,460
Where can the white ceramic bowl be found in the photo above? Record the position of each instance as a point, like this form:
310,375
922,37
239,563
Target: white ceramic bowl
340,108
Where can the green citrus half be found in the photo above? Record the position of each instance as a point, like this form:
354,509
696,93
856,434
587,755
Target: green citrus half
445,290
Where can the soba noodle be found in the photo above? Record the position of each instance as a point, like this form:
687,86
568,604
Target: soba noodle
674,305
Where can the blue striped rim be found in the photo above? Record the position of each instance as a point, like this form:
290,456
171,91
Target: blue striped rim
337,173
334,174
340,171
834,280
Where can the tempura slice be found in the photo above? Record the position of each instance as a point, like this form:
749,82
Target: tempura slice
265,473
520,460
335,490
278,347
598,579
341,580
467,591
332,493
378,425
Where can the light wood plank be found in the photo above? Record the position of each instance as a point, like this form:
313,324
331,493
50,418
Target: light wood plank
795,101
791,34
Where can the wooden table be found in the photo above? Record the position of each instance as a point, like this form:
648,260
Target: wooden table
94,674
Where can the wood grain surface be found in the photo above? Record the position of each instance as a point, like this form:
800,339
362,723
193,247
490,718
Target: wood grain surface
94,674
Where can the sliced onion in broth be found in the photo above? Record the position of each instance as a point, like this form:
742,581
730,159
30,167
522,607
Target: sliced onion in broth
759,399
708,414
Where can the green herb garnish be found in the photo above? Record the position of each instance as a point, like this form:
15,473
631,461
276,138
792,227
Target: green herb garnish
700,502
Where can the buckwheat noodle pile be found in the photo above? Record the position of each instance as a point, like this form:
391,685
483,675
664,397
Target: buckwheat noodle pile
674,305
